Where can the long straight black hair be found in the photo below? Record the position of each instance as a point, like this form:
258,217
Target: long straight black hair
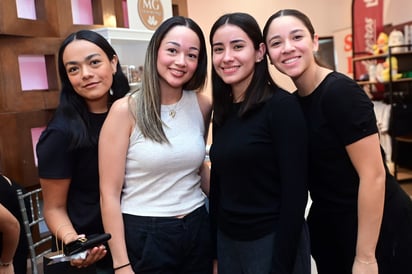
261,85
73,107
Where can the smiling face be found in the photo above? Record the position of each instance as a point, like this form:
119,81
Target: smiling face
89,70
234,57
178,56
290,46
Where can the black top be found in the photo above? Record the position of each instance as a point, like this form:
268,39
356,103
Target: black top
8,198
57,161
338,113
259,168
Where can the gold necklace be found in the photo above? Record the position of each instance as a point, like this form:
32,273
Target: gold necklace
172,109
172,113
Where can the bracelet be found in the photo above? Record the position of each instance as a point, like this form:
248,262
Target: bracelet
120,267
5,264
365,262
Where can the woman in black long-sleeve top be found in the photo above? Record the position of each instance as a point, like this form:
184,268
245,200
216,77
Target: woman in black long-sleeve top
259,162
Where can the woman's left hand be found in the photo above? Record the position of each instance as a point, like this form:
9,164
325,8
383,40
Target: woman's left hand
9,269
93,255
364,268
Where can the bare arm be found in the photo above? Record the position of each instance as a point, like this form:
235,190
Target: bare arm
113,146
55,213
205,105
367,160
10,228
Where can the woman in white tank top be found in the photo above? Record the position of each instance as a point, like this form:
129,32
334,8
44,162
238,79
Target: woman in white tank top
151,158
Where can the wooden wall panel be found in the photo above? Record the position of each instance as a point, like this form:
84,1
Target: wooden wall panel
20,111
45,25
105,14
16,147
13,98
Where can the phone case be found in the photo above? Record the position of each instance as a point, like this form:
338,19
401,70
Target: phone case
83,244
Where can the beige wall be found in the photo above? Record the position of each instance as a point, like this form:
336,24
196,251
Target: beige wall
206,12
328,16
397,11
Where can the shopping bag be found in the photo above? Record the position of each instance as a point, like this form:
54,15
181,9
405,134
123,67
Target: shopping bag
56,268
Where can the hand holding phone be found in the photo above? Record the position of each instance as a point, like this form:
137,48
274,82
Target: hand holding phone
85,243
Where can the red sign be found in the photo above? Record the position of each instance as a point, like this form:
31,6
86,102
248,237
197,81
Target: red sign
367,23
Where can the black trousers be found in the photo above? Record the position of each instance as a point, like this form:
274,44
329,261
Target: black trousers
169,245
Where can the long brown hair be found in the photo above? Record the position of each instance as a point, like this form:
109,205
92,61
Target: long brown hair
146,100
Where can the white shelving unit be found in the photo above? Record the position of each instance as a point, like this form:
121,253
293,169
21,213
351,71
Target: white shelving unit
129,44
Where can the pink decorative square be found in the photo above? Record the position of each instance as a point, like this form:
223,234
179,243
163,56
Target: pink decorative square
26,9
82,12
33,73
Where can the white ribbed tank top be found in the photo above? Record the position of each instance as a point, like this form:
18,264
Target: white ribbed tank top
162,180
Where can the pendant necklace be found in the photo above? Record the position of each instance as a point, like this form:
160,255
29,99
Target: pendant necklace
172,113
172,109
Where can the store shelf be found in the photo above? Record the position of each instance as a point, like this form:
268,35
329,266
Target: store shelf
369,57
130,44
402,80
125,34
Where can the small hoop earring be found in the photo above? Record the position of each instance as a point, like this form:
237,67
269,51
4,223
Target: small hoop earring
111,92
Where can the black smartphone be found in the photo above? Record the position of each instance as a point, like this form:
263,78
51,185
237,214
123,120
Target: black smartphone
85,243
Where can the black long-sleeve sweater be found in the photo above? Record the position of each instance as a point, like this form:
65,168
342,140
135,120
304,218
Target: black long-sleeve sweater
259,175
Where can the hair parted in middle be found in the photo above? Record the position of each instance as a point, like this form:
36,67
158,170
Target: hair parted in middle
146,106
262,84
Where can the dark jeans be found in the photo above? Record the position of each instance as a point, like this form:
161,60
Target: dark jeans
256,257
169,245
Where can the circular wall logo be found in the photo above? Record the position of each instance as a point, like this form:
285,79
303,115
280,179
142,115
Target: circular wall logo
150,13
